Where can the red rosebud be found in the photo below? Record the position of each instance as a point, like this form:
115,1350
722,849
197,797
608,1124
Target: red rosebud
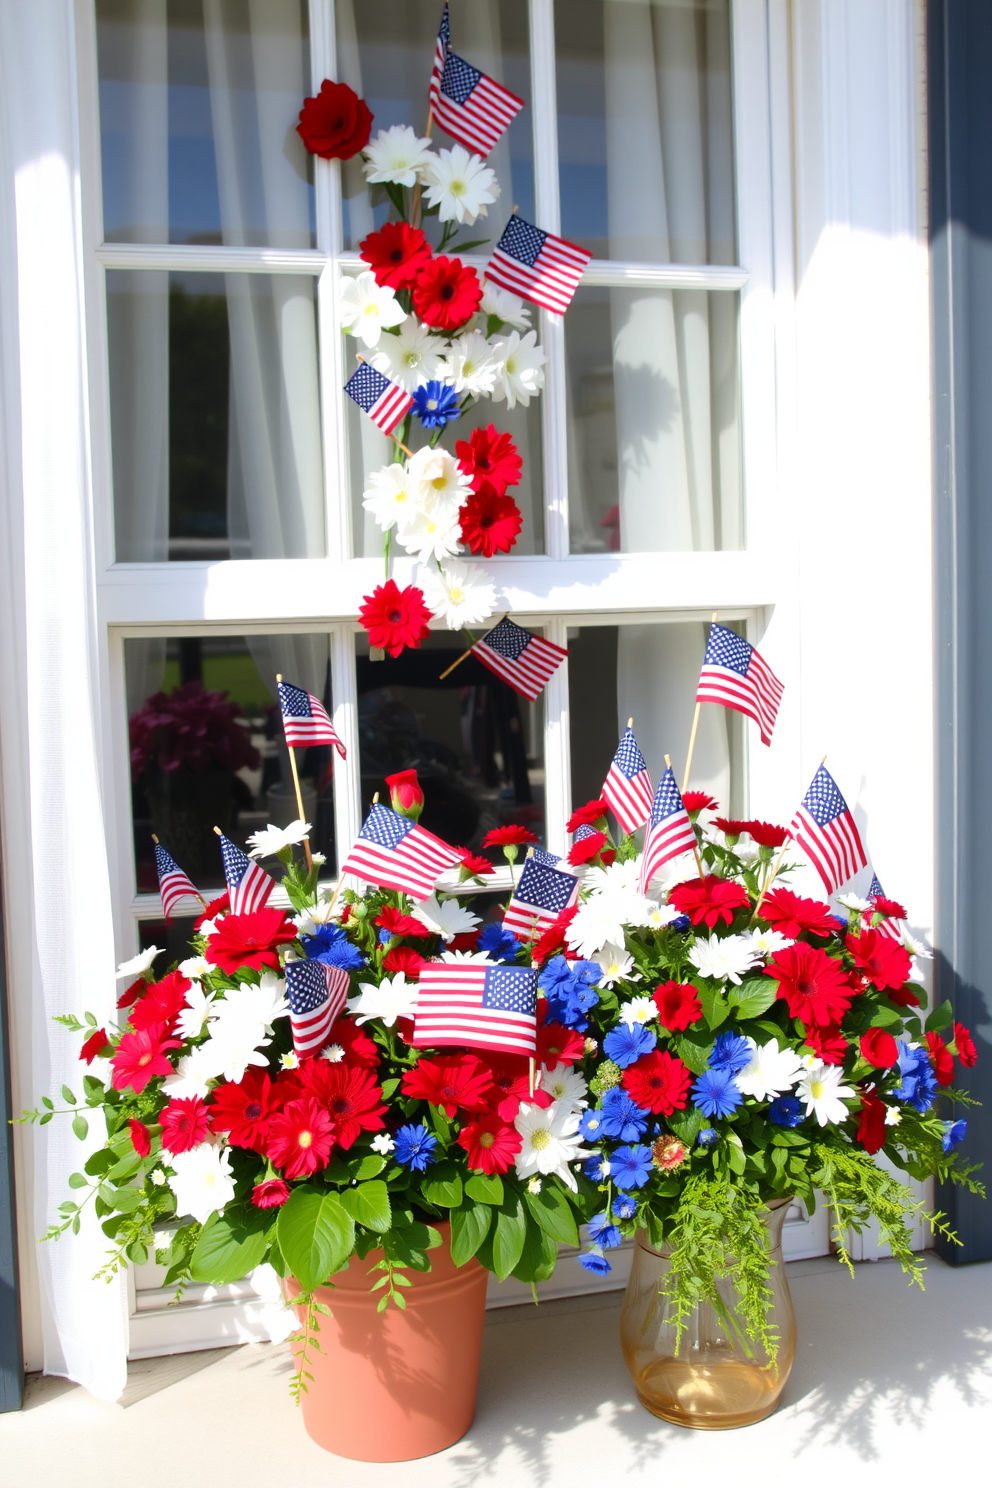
140,1138
270,1194
94,1045
879,1048
336,124
405,794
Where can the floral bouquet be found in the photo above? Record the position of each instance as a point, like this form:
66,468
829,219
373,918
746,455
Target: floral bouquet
746,1045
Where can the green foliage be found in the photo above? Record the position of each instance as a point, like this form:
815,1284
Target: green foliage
316,1235
230,1245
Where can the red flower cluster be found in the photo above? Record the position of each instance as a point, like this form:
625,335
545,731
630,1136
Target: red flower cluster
336,124
446,294
659,1082
815,987
880,960
790,915
490,524
677,1005
405,959
395,617
250,940
710,900
396,254
827,1043
162,1002
490,461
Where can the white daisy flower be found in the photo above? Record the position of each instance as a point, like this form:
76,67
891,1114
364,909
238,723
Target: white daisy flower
771,1072
138,964
725,959
434,535
194,1071
893,1116
854,902
823,1091
235,1049
519,368
506,307
637,1010
195,967
460,185
391,497
392,999
383,1143
201,1180
446,918
470,366
271,840
916,947
534,1186
466,956
333,1053
290,1061
769,941
565,1084
551,1142
441,484
321,913
250,1003
457,596
368,308
194,1016
397,156
617,965
410,356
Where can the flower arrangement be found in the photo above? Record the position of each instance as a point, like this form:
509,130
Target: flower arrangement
190,728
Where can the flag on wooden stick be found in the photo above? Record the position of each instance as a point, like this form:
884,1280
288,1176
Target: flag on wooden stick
827,832
173,885
531,262
397,853
305,719
248,885
316,995
522,659
669,831
628,787
473,108
544,890
737,675
477,1005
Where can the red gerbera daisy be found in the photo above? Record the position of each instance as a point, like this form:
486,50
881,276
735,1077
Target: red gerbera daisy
891,908
358,1047
405,959
185,1124
941,1058
446,294
658,1082
709,901
511,1086
490,461
395,617
871,1122
220,905
466,941
130,993
301,1138
696,801
162,1002
553,938
455,1082
880,959
349,1094
586,848
245,1110
827,1043
766,834
512,836
790,915
677,1004
140,1057
730,828
472,866
270,1194
490,1143
397,923
813,985
250,940
140,1136
965,1046
589,815
490,524
396,254
557,1044
94,1045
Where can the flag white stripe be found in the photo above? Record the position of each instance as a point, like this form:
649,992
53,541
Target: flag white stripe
630,798
835,850
527,673
173,888
390,407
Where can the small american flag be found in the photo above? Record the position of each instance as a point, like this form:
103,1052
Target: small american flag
827,833
523,660
473,108
628,786
581,833
669,830
396,853
887,925
737,675
476,1006
385,402
173,885
248,885
316,994
536,264
543,892
305,720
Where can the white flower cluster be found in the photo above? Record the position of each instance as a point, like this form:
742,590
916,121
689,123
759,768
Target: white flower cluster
551,1141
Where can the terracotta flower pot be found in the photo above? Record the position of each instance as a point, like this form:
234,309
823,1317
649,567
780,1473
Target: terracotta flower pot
395,1385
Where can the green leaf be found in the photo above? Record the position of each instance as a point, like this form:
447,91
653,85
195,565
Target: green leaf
469,1227
78,1180
368,1204
713,1003
735,1154
687,1124
538,1257
68,1096
369,1166
442,1185
227,1250
887,1018
553,1213
316,1235
784,1137
126,1200
390,1087
940,1018
692,1055
753,997
485,1190
508,1235
80,1127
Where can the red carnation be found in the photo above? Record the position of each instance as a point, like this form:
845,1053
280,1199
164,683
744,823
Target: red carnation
140,1137
814,986
508,837
880,959
336,124
94,1045
588,815
490,461
659,1082
696,801
455,1082
965,1046
395,617
398,923
888,907
396,254
765,834
185,1124
270,1194
490,524
709,901
730,828
162,1002
677,1004
879,1048
405,959
871,1123
348,1093
586,848
220,905
140,1057
358,1047
250,940
472,866
827,1043
511,1087
446,294
301,1138
557,1044
941,1059
793,916
490,1143
245,1110
553,938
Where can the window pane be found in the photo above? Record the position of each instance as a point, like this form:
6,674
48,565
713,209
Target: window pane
198,110
477,746
215,416
207,748
645,141
652,672
654,456
385,52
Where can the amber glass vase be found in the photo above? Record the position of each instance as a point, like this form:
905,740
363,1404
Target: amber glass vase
718,1378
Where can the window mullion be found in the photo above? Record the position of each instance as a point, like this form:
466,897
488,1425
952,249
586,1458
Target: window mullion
557,747
347,773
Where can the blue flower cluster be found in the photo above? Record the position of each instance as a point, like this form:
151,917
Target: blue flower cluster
331,945
499,944
436,405
715,1093
570,987
620,1116
626,1045
919,1083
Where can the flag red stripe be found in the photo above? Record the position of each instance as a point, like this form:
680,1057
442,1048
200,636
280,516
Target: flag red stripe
631,799
527,673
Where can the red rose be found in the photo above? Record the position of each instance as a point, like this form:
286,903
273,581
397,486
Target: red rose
270,1194
446,294
814,986
250,940
490,524
879,1048
396,254
658,1082
871,1124
94,1045
709,901
405,794
588,815
336,124
941,1058
140,1139
395,617
490,461
677,1005
885,964
965,1046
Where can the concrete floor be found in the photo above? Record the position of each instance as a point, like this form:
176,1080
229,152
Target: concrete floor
886,1379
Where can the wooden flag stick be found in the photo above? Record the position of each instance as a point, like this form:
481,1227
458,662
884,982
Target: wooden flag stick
532,1074
296,787
195,891
695,729
415,214
465,654
630,723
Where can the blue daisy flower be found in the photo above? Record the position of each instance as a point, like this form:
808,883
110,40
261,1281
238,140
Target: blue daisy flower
603,1232
436,405
731,1052
626,1045
623,1118
715,1093
630,1167
414,1147
624,1206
